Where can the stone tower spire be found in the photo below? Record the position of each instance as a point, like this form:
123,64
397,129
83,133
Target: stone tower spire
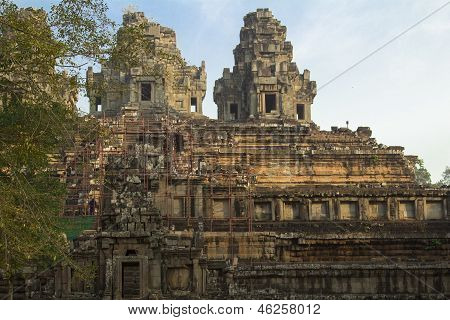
162,76
265,83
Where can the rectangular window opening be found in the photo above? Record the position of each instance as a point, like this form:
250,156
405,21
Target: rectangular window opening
320,211
146,91
179,143
271,102
378,210
155,141
300,112
194,104
349,210
178,207
263,211
221,208
193,207
435,210
233,111
273,70
407,209
295,211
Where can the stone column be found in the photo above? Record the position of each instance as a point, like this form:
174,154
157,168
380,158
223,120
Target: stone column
108,280
447,206
420,205
279,210
364,208
253,103
155,272
66,283
164,288
203,266
393,209
337,214
196,277
388,211
309,204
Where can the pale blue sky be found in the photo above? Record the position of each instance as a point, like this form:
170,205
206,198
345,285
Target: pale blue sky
402,92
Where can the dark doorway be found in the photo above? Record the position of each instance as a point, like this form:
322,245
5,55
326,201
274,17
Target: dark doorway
233,111
98,104
179,142
300,112
273,70
130,280
271,102
146,91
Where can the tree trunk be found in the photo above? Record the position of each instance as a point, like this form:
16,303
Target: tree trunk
10,288
9,275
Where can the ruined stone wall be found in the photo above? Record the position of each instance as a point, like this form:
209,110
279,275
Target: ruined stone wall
288,154
133,254
370,261
358,242
273,172
315,281
131,233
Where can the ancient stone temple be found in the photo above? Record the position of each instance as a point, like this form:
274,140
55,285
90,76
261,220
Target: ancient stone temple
265,82
261,203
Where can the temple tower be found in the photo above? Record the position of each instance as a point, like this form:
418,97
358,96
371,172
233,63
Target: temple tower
162,76
264,83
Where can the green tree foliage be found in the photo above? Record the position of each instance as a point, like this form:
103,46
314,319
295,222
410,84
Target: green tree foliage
445,181
41,59
423,177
